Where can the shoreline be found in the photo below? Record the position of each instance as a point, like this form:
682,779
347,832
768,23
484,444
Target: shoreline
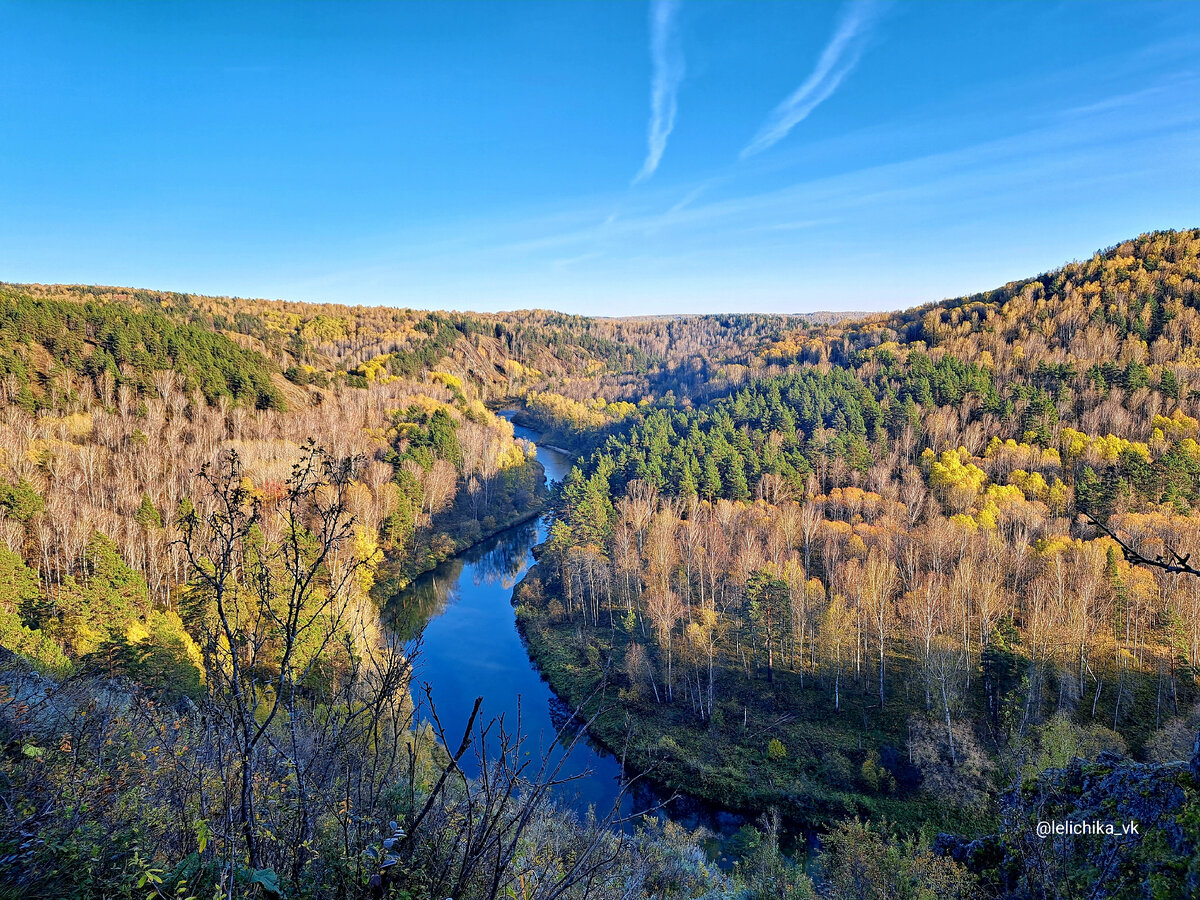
539,508
664,752
662,785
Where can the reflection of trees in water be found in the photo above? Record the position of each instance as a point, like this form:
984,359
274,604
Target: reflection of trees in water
503,559
409,611
499,560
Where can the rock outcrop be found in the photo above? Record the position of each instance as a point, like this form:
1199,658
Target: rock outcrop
1107,828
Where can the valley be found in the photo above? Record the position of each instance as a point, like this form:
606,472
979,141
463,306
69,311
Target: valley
841,585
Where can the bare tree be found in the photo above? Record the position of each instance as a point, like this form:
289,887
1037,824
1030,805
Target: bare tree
267,612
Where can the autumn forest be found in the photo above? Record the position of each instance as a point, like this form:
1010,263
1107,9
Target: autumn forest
882,590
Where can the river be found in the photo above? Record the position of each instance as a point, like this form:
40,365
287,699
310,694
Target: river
471,648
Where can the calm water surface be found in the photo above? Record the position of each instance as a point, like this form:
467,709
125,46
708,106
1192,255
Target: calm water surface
472,649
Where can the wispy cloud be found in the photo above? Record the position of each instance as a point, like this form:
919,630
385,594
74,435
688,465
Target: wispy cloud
989,173
691,197
575,260
838,59
666,56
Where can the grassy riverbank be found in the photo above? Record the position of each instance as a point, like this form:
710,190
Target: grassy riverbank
765,746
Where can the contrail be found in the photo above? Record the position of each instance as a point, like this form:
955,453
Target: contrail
837,60
666,55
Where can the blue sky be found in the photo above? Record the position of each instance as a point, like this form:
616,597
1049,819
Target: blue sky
604,158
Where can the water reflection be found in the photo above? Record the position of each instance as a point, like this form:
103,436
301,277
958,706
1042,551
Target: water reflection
408,611
498,563
471,648
504,564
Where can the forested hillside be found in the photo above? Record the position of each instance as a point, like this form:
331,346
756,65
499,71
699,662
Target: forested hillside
198,497
868,580
116,398
861,579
